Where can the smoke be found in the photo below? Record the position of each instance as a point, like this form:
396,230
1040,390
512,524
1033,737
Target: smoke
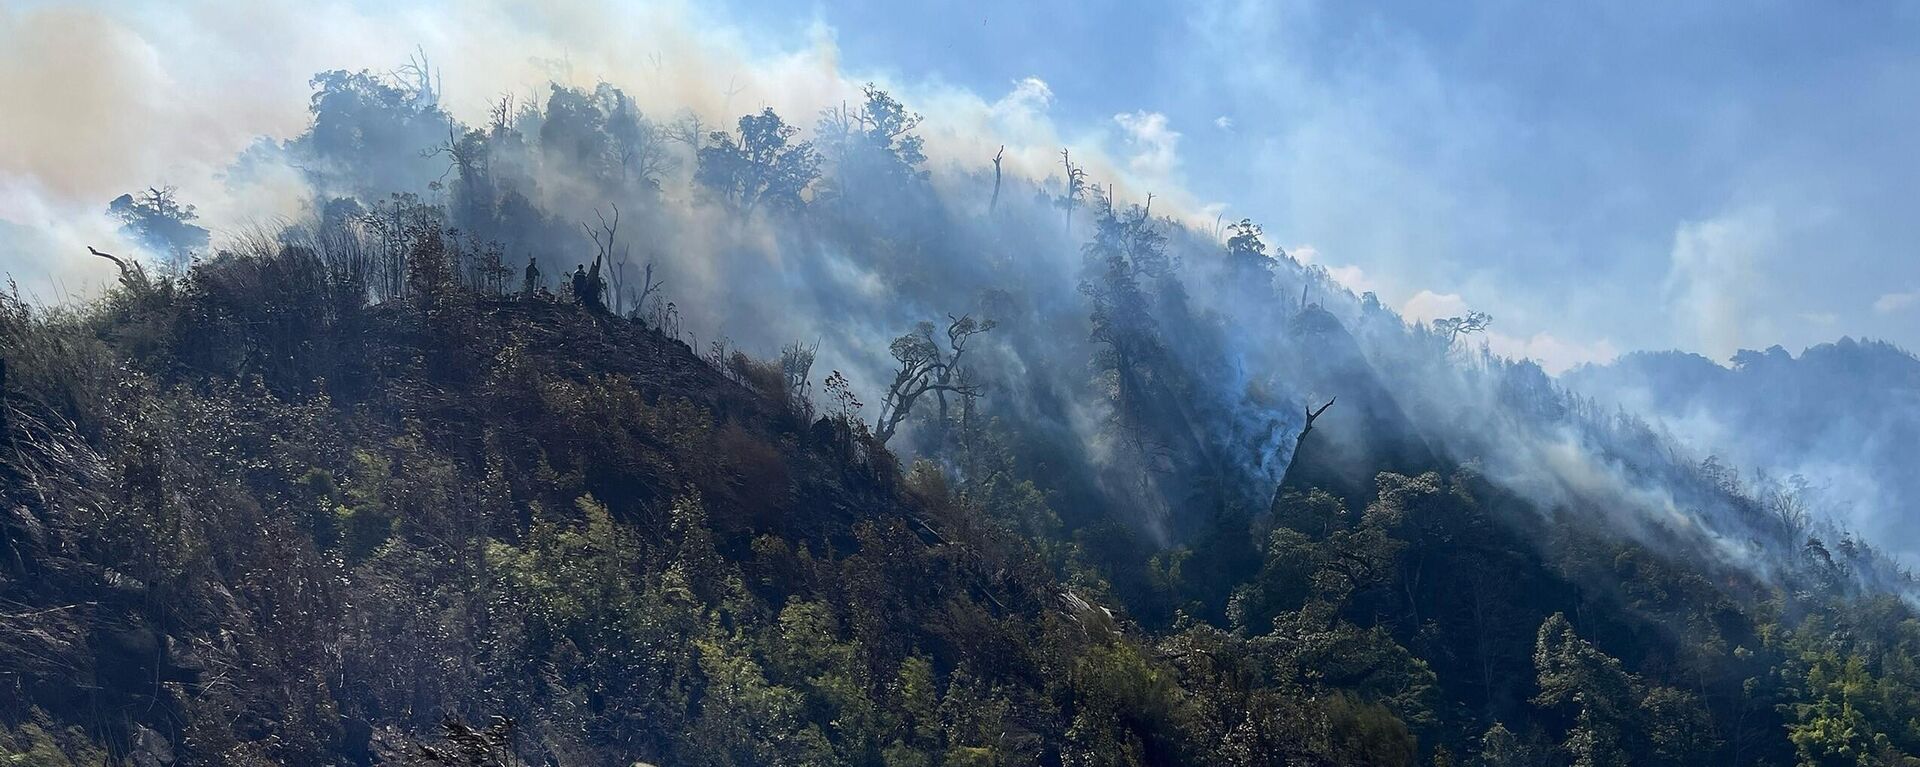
1554,355
97,99
1427,306
1154,146
1840,419
1713,282
214,98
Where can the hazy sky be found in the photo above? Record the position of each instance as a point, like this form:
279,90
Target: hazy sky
1694,175
1700,175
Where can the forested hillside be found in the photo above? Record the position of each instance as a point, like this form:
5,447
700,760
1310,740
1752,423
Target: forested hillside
823,456
1842,419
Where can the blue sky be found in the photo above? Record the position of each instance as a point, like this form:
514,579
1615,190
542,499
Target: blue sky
1601,177
1696,175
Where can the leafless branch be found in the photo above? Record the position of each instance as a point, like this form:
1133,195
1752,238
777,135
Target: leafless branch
1311,415
995,202
131,275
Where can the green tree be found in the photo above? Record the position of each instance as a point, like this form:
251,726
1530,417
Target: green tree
764,165
157,219
873,146
1572,672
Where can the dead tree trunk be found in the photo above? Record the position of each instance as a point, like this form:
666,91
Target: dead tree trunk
1311,414
596,285
994,203
131,275
648,287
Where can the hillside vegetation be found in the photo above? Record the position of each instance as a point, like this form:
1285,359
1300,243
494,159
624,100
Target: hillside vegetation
354,493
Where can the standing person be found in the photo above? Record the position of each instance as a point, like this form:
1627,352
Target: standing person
533,278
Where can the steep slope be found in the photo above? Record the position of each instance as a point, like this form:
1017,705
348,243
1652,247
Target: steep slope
478,509
1366,431
328,486
253,519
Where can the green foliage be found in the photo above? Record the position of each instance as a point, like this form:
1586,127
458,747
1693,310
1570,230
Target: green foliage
1855,700
359,519
872,148
1617,715
1368,733
331,492
1127,712
763,166
36,743
156,219
1500,747
1573,672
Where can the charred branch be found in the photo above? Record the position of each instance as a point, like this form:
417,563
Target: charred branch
995,202
1311,415
131,275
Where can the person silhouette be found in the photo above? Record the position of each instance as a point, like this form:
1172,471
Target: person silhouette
533,277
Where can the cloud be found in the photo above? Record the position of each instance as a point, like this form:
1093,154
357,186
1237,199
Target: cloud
1554,355
1894,302
1714,278
1349,276
1154,146
1352,278
1024,108
1427,306
1223,122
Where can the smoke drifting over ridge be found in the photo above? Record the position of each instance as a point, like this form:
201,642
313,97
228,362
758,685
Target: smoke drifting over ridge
175,96
1842,418
99,99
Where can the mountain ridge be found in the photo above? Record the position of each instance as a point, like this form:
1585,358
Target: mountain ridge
345,493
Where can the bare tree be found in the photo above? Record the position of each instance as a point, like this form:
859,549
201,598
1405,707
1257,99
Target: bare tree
420,73
1311,415
403,231
995,202
689,130
648,288
642,155
617,283
606,244
927,367
466,153
1455,327
500,115
796,363
733,89
131,275
1076,186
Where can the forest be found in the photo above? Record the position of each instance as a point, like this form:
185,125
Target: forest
587,436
